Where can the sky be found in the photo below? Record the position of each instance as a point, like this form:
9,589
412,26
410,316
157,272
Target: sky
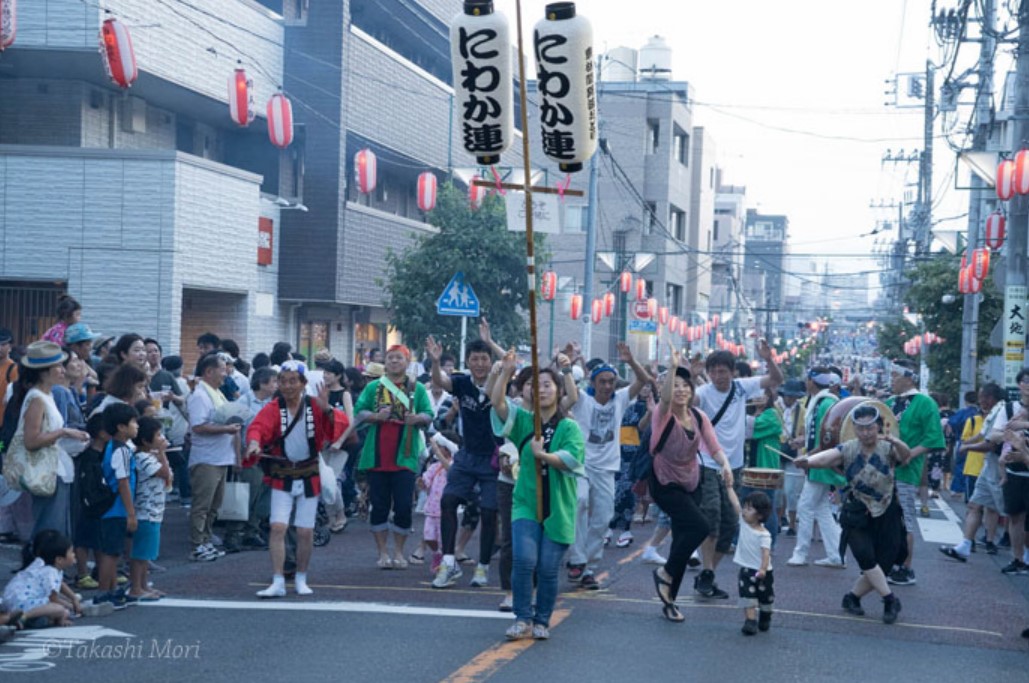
815,68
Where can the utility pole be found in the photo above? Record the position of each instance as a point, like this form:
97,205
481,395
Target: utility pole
1018,218
983,119
925,175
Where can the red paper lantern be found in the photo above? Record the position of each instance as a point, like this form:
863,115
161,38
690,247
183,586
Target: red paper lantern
476,193
980,263
576,309
625,281
651,307
365,170
684,330
715,320
641,290
241,101
707,327
116,49
927,339
280,120
974,285
609,304
597,311
548,284
427,192
673,324
662,315
8,23
1021,179
995,224
1005,180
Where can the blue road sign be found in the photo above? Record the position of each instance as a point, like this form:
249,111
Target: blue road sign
458,299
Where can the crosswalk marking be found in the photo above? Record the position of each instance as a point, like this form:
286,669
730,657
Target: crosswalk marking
946,531
310,606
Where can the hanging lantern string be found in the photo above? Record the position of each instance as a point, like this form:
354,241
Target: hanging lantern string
499,182
563,185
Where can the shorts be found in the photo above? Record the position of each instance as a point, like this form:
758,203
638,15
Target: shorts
717,509
468,470
282,505
907,495
87,533
988,494
1016,495
431,529
146,542
112,535
756,592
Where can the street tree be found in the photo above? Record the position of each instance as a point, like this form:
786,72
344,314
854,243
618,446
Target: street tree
474,241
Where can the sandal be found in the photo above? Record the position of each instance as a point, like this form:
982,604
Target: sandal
14,620
660,583
384,563
416,559
673,614
464,559
399,563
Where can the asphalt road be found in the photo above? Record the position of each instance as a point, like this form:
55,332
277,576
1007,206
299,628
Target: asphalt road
961,622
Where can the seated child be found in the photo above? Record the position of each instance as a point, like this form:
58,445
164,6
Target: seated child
38,591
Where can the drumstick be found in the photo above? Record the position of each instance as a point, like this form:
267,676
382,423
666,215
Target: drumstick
788,457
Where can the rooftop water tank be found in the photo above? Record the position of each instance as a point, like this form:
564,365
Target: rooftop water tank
619,65
655,61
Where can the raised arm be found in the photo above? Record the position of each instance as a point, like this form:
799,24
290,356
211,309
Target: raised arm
571,397
487,336
499,395
669,384
639,373
826,459
435,352
774,377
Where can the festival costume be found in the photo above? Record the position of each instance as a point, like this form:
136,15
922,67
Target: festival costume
872,523
814,505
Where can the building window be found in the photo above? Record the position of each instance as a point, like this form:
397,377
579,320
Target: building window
653,135
650,219
294,12
681,147
576,218
673,295
715,231
677,223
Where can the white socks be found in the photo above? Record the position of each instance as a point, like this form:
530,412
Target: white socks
449,561
301,584
276,590
964,548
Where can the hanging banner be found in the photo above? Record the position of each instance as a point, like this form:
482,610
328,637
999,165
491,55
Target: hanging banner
546,212
265,230
1014,334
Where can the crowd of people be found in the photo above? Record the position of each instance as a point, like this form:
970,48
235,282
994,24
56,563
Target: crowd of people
99,433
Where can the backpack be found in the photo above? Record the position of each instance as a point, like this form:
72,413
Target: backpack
96,494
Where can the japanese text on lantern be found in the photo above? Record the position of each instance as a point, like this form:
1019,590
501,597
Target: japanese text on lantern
554,85
480,81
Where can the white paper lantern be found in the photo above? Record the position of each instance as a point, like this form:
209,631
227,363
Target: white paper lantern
480,51
563,44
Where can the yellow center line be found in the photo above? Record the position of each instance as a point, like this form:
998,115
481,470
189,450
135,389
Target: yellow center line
488,662
631,556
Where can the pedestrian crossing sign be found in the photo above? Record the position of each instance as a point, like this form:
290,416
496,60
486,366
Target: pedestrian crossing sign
458,298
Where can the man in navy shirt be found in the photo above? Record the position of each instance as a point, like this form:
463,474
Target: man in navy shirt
474,465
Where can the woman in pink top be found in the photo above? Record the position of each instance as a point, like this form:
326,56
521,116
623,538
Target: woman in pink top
678,429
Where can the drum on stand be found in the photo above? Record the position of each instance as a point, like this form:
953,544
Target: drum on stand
763,478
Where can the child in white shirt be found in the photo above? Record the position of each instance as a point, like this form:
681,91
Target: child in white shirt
754,557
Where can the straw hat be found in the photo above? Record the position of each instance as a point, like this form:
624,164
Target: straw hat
374,370
43,354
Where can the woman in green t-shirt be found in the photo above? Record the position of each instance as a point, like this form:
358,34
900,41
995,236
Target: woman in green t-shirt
539,542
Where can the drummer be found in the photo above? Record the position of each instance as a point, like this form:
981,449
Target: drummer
814,505
871,515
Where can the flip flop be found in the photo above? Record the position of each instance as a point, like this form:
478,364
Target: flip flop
399,563
673,614
658,584
384,563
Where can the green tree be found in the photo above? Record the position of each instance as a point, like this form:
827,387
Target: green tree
930,281
477,243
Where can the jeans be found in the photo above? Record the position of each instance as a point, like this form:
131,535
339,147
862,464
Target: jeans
534,552
596,506
814,507
505,494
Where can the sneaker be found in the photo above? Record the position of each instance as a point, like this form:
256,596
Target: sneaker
791,532
891,609
302,588
276,590
952,553
520,630
991,548
116,600
625,540
575,571
694,561
213,550
902,576
507,604
540,632
1015,568
852,604
256,542
749,627
92,609
830,562
652,556
589,582
717,593
447,576
481,578
202,554
233,545
796,562
87,583
705,583
764,621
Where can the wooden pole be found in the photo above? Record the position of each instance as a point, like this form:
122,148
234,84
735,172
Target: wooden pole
530,258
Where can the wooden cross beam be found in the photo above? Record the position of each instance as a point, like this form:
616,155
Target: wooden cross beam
482,182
